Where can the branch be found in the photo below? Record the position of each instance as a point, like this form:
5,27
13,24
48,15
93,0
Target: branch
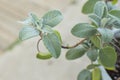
73,46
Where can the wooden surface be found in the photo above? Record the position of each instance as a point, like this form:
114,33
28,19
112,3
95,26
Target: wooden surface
12,11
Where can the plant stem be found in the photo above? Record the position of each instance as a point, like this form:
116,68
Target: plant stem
73,46
38,44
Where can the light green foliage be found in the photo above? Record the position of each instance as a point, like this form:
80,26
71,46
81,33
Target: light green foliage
96,41
75,53
84,75
108,57
83,30
114,1
115,14
96,74
43,56
97,36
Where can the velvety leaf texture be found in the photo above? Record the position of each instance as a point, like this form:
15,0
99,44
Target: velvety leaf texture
99,8
53,44
92,54
28,32
88,6
95,19
52,18
107,34
83,30
115,14
75,53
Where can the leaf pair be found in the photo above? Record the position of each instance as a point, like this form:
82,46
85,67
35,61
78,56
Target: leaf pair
49,20
88,75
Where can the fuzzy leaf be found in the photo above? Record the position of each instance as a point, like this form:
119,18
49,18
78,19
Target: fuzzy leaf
53,44
99,8
95,19
28,32
83,30
52,18
84,75
115,14
108,57
107,34
88,6
75,53
92,54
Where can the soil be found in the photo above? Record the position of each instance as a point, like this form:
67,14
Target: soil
115,75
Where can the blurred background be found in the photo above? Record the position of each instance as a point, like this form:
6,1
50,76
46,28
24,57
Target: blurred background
19,62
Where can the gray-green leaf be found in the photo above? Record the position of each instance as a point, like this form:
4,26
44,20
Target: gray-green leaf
75,53
96,41
115,14
83,30
107,34
28,32
52,18
92,54
99,8
53,44
88,6
108,57
84,75
95,19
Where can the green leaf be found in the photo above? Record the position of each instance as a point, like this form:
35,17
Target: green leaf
116,24
28,32
52,18
107,34
95,19
114,1
96,74
115,14
75,53
58,34
92,54
44,56
88,6
53,44
34,19
47,29
84,75
108,57
83,30
91,66
99,8
96,41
